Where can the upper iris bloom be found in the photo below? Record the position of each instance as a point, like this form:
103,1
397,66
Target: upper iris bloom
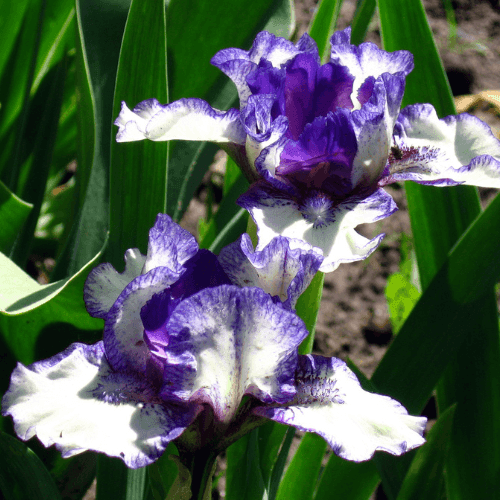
187,356
321,140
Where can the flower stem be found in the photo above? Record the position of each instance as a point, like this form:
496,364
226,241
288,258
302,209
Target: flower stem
201,465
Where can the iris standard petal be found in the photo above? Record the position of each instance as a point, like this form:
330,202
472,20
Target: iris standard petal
75,401
454,150
278,269
367,60
356,423
169,245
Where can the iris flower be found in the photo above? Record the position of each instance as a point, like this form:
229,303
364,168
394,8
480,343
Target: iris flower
320,141
189,356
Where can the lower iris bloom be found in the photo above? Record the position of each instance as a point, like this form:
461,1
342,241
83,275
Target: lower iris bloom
189,356
321,141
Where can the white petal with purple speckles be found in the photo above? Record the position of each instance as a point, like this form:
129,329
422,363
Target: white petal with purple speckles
374,125
104,284
277,269
169,245
367,60
123,330
455,150
226,342
76,402
356,423
186,119
318,222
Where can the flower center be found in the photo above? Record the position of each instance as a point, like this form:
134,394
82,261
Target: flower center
318,209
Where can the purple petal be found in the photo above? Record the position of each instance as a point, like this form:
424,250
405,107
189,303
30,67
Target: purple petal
355,423
278,269
75,401
322,157
226,342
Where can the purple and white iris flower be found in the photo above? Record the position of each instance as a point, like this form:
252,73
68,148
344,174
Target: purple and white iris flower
322,140
189,356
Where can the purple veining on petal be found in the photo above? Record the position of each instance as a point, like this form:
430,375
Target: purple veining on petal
322,157
277,269
77,402
226,342
123,329
169,245
330,402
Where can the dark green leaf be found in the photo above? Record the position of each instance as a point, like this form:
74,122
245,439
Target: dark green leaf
10,24
307,308
362,18
22,475
323,26
100,28
425,476
138,175
115,481
244,479
13,214
301,476
45,107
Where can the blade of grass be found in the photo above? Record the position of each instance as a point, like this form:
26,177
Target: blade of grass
46,106
323,26
100,28
13,214
361,20
138,175
300,479
425,476
22,474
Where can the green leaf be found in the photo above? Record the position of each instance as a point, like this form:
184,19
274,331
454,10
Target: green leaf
323,26
35,309
115,481
138,175
307,308
22,474
301,476
13,214
361,20
10,24
401,296
46,108
58,36
349,480
425,476
100,28
244,480
163,473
